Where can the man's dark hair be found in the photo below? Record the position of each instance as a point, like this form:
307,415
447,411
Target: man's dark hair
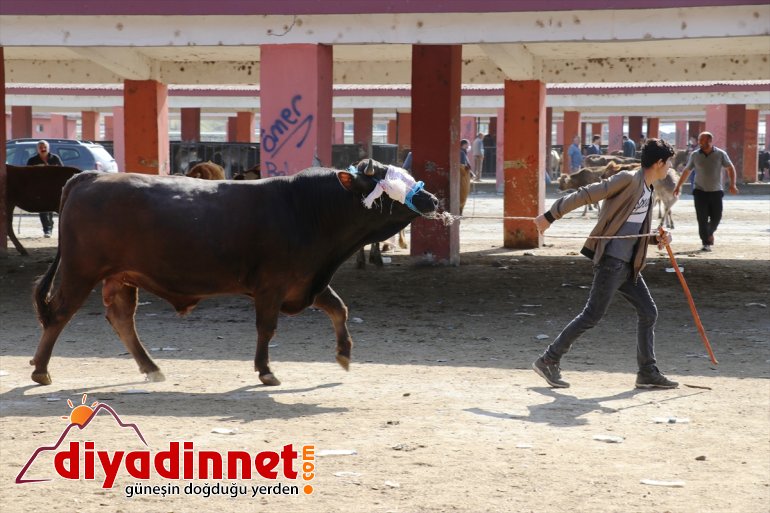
625,137
655,150
597,137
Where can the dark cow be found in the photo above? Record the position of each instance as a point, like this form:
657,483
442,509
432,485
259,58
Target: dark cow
278,241
34,189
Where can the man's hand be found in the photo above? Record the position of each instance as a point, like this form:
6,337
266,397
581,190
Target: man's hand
733,189
663,239
542,223
677,192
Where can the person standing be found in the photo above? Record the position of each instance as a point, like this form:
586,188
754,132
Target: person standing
477,148
618,262
707,192
44,157
629,148
596,146
575,155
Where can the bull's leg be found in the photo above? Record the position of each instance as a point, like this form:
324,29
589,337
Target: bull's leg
361,259
402,240
330,302
55,314
375,255
12,235
121,301
267,322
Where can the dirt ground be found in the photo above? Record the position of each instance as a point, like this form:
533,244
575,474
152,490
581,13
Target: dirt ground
440,404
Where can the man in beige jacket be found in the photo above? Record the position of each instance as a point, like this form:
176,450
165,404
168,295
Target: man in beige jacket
617,262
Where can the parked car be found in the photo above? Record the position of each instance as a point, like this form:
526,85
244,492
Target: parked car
84,155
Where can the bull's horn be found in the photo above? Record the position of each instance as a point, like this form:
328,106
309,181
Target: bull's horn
369,169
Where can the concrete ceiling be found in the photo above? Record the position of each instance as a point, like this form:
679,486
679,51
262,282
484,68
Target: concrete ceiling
725,42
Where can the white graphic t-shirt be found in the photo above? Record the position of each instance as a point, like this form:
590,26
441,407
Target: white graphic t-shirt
624,248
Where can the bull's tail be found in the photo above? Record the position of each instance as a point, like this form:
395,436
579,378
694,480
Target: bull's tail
42,290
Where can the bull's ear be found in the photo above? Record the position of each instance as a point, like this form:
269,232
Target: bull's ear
346,179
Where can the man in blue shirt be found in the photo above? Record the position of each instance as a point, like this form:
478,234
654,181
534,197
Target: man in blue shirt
596,147
629,148
708,191
575,155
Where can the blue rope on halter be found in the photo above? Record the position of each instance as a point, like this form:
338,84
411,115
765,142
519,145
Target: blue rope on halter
409,195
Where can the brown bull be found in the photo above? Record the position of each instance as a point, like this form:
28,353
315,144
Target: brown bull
207,171
34,189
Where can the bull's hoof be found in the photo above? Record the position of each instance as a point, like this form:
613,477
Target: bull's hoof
42,378
344,361
155,376
269,380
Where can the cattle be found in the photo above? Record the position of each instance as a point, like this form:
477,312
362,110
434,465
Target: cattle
254,173
588,175
663,195
207,171
278,241
603,160
680,159
34,189
554,163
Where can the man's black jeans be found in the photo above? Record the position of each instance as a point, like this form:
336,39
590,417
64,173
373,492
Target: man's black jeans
708,211
610,275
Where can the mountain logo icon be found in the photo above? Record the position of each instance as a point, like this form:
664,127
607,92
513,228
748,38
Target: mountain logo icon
80,417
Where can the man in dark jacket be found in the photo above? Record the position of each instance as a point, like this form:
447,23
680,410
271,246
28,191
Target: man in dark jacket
44,157
618,262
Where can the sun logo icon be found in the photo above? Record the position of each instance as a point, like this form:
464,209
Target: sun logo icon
81,413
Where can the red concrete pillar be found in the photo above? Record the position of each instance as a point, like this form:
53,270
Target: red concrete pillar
560,132
3,173
524,194
89,125
21,122
392,131
493,126
109,131
338,137
750,146
596,129
653,128
681,135
232,128
767,132
58,126
436,88
548,129
468,128
146,126
244,127
191,124
615,139
735,140
583,134
500,151
296,100
363,123
716,123
119,137
404,122
635,129
694,129
571,129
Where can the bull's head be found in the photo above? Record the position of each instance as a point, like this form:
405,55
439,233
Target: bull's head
394,184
